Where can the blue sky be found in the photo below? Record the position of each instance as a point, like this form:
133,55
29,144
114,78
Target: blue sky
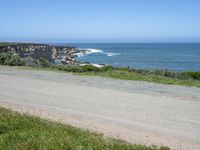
100,20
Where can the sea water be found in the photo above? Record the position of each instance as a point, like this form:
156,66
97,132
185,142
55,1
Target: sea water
170,56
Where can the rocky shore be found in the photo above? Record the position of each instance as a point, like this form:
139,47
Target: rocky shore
56,54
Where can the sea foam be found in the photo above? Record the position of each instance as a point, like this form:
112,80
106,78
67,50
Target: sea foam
112,54
92,51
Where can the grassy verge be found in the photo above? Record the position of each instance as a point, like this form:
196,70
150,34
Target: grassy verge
22,132
157,76
145,77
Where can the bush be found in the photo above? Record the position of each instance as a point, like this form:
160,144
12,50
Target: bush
194,75
68,68
165,73
14,60
106,68
76,68
3,58
42,62
125,69
10,59
89,68
29,61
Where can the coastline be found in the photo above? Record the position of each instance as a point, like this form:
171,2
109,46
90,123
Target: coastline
65,55
81,53
136,56
69,64
162,56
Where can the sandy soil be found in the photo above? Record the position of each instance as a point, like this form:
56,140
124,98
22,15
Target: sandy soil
138,112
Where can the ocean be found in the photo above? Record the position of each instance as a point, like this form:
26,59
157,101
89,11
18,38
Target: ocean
170,56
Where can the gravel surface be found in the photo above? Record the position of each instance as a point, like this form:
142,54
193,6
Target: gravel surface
139,112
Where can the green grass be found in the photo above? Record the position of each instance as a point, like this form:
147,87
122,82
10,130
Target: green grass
123,75
156,76
22,132
7,43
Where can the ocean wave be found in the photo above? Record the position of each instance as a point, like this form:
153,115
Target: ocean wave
92,51
112,54
80,54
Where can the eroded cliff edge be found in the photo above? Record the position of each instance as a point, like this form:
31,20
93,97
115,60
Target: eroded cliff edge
54,54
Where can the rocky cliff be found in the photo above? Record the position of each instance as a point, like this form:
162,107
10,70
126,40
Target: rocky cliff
61,54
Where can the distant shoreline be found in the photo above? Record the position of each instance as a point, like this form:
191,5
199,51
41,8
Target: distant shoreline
145,56
185,78
165,56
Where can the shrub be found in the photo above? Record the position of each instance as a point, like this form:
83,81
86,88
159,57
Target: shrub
68,68
165,73
88,68
29,61
42,62
3,58
106,68
10,59
124,68
141,71
14,60
72,68
194,75
76,68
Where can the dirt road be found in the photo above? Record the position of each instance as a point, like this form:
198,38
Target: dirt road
138,112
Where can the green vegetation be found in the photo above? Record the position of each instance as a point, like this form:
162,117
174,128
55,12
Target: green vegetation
43,63
7,43
126,73
22,132
29,61
10,59
15,60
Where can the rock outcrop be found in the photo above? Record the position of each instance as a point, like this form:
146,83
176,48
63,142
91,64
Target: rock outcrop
61,54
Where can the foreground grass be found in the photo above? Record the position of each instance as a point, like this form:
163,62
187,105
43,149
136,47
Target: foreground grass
126,74
22,132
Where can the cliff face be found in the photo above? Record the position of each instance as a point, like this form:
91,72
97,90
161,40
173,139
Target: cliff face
65,55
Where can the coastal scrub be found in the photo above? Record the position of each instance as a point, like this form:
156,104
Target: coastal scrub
186,78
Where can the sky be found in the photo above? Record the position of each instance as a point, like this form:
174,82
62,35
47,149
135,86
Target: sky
65,21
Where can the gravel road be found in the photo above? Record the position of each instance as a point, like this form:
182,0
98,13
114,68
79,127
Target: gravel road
139,112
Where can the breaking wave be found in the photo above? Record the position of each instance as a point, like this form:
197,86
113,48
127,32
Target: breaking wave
93,51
